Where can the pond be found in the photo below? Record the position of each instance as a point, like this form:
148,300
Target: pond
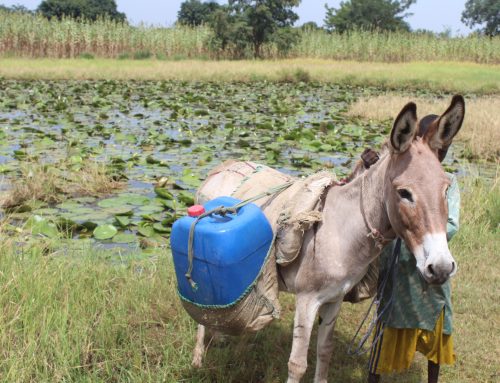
159,139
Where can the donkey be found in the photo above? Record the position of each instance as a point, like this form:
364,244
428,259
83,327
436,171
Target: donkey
402,195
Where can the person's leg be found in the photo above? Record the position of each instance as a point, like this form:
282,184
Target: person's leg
432,372
373,378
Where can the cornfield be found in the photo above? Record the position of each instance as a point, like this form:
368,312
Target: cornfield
24,35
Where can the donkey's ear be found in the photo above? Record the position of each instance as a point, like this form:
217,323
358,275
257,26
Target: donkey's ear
404,129
448,125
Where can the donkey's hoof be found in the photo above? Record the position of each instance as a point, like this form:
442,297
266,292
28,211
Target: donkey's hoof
197,362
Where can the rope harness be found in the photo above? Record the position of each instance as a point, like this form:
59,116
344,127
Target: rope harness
376,235
379,313
223,211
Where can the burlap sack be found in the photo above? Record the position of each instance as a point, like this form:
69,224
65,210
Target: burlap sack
252,313
291,213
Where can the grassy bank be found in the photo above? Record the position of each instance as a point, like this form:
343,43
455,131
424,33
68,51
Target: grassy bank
77,316
436,76
35,36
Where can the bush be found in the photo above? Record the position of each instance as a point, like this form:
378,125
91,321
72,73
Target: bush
142,55
86,55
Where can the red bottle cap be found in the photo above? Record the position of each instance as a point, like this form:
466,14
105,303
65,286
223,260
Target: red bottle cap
196,210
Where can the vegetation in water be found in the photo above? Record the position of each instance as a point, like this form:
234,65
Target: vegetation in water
118,162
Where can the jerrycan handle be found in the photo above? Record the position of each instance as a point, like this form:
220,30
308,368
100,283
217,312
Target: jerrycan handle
198,212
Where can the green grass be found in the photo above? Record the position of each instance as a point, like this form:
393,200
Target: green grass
423,76
81,316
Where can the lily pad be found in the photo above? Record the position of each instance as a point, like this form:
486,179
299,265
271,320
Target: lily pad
106,231
122,220
40,225
160,228
124,238
146,231
186,197
163,193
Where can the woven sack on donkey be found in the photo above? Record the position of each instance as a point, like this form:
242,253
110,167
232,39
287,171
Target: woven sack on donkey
291,213
251,313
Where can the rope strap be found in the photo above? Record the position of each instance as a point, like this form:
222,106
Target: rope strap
392,272
223,211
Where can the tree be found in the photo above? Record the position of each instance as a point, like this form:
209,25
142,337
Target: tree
194,12
479,12
88,9
368,15
256,22
310,26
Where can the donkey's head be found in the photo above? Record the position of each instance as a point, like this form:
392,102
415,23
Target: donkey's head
416,188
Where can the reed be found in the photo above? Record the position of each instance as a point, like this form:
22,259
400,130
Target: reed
24,35
397,47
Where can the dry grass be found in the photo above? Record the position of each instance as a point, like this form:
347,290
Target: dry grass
481,129
53,184
436,76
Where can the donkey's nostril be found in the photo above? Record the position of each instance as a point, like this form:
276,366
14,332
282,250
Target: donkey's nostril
453,267
430,269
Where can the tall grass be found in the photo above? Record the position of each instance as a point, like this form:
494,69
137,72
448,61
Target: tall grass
397,47
24,35
35,36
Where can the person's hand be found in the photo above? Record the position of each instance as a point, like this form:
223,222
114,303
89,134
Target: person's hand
369,157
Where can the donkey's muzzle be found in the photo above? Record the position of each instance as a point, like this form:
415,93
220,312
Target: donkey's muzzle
439,272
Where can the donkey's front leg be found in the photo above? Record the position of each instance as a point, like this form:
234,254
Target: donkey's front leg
305,313
199,348
328,316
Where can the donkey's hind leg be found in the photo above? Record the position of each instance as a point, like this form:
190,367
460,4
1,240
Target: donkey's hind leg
328,314
199,348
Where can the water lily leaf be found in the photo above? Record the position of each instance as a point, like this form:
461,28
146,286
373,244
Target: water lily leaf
190,179
135,199
170,204
120,210
39,225
186,197
163,193
124,238
69,205
154,161
123,221
160,228
148,209
106,231
146,231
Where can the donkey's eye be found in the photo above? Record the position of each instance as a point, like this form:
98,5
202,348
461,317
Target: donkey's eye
405,194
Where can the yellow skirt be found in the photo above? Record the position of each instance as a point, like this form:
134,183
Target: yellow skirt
394,351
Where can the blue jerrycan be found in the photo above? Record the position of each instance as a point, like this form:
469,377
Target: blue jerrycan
229,252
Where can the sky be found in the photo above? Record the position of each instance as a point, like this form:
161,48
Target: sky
434,15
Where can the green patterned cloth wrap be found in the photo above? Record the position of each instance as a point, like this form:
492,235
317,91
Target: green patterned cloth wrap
416,304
